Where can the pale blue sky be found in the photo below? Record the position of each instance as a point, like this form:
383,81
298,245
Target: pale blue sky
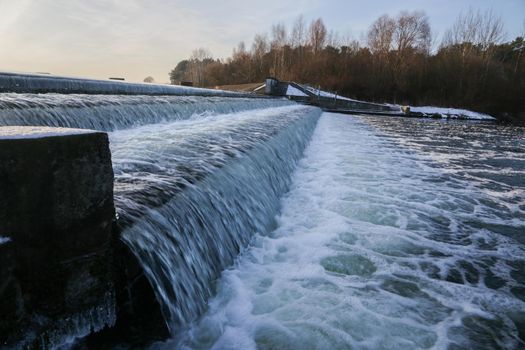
137,38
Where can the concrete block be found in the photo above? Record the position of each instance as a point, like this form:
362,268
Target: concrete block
56,219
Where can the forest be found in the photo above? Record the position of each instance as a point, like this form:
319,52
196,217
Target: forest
399,60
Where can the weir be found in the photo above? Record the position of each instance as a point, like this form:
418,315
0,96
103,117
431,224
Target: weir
114,112
195,179
44,83
189,206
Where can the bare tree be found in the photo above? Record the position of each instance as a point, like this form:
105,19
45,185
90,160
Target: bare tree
260,45
381,34
298,32
475,28
201,54
278,35
149,79
412,31
260,48
240,51
279,39
198,60
317,32
408,30
491,31
475,33
333,39
244,62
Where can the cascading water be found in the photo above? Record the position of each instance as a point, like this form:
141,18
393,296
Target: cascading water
195,178
114,112
191,195
396,234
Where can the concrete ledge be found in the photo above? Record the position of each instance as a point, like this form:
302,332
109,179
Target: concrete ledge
56,219
44,83
38,132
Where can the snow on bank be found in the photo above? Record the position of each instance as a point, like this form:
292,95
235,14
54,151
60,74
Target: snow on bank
326,94
428,111
4,240
34,132
293,91
451,112
322,93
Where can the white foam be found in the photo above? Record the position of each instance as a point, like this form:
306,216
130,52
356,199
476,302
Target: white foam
364,251
233,169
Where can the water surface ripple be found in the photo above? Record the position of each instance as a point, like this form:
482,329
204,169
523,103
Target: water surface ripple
396,234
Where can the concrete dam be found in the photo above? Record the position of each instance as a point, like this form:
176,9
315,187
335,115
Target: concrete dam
140,216
192,179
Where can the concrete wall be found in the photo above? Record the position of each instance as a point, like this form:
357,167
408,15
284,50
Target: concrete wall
56,209
40,83
275,87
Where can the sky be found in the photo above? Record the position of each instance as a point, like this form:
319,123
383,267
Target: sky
139,38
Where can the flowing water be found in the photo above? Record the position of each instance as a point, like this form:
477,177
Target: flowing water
185,169
115,112
385,233
396,234
192,194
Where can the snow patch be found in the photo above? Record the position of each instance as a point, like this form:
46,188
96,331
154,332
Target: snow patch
322,93
34,132
293,91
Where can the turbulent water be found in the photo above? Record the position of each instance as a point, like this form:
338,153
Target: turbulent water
179,162
396,234
392,233
192,194
115,112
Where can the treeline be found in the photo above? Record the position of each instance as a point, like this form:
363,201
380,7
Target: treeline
472,66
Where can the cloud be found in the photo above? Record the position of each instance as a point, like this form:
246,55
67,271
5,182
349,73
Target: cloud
137,38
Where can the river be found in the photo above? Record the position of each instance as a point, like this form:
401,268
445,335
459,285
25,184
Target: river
263,224
396,234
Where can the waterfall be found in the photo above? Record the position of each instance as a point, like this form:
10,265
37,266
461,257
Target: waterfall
192,196
196,177
114,112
